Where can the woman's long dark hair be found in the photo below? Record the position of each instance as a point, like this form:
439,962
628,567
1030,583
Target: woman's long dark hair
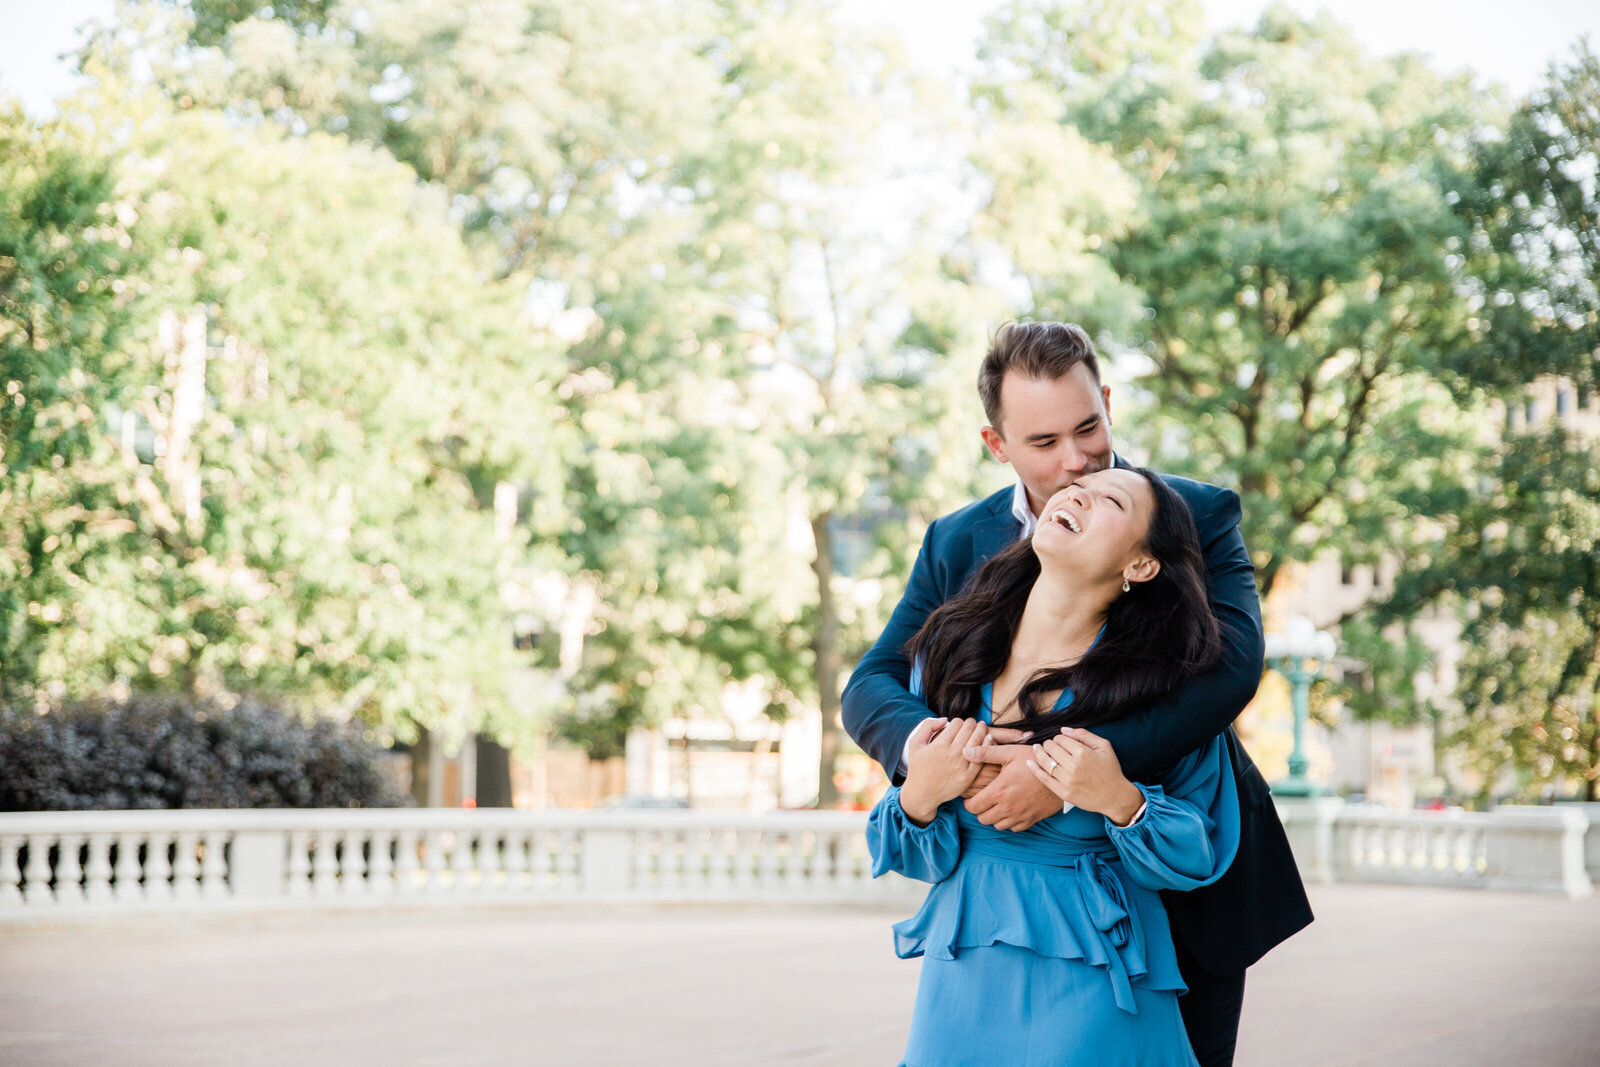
1156,634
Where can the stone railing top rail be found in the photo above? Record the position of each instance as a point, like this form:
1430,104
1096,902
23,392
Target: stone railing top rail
268,819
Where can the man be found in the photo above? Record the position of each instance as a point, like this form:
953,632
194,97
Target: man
1050,418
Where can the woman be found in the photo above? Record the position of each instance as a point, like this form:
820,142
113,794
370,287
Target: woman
1051,946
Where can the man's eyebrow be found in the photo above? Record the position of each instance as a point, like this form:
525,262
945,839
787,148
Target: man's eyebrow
1041,436
1087,423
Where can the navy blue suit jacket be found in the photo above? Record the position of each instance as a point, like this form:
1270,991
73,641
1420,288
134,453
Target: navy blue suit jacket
1260,901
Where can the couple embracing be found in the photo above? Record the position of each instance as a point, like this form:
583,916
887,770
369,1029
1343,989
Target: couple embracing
1052,699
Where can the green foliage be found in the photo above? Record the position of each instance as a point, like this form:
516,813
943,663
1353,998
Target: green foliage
1291,249
1535,255
170,751
573,320
669,241
66,260
1519,558
312,515
1393,657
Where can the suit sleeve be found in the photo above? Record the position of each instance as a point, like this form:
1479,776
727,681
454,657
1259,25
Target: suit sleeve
1151,741
879,712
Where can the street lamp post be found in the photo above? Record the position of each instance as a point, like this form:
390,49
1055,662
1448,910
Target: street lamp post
1288,653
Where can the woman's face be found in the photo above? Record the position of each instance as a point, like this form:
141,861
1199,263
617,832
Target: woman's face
1096,526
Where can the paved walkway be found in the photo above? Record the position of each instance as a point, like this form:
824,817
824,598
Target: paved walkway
1386,976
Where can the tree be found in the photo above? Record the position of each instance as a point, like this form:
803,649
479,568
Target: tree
607,202
1517,559
1293,250
299,472
675,234
66,261
867,330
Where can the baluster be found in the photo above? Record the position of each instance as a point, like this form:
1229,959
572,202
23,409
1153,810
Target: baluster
406,863
158,868
69,869
646,846
538,880
10,874
569,845
794,862
380,868
686,872
214,864
37,886
827,860
433,862
300,864
461,861
349,863
186,868
696,865
516,861
741,854
541,861
487,868
325,864
767,877
849,860
1358,848
746,859
716,842
97,876
126,883
661,856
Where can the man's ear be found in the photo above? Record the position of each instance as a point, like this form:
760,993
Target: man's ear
1142,569
1105,400
995,443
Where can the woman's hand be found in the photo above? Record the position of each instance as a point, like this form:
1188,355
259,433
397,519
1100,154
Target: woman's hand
937,768
1082,769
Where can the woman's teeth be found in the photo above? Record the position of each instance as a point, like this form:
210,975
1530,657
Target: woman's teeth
1066,519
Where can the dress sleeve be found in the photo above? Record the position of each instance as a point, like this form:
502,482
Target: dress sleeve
1189,831
926,853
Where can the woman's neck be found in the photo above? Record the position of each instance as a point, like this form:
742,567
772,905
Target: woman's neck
1059,623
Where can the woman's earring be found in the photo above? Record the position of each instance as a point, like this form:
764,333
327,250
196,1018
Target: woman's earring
1125,585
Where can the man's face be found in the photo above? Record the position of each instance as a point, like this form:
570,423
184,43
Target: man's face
1052,432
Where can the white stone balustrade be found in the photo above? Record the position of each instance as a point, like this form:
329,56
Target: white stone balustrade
1530,849
81,863
55,865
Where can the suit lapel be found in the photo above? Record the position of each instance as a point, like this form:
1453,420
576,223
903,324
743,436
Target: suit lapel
996,531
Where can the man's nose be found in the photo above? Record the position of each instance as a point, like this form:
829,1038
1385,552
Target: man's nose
1073,460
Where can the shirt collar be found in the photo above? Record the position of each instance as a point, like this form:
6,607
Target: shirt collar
1020,511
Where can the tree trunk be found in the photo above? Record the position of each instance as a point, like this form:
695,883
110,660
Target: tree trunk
825,644
494,774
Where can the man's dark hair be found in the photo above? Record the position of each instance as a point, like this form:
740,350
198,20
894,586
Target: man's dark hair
1039,350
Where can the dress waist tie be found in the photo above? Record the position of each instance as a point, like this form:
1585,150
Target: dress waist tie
1107,907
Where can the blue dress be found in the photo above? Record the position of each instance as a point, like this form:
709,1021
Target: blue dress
1050,945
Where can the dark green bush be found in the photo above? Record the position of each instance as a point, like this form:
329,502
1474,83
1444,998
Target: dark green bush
174,751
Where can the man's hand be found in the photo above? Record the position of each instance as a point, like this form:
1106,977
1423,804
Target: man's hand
988,772
1015,799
